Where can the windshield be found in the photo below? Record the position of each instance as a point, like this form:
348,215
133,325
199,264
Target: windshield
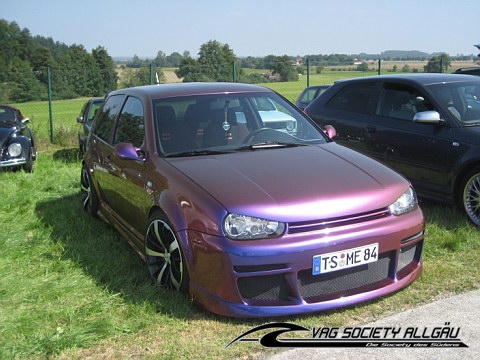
205,124
461,100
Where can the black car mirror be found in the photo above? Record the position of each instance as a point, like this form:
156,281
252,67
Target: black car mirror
80,119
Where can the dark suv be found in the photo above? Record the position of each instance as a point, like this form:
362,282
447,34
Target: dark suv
426,126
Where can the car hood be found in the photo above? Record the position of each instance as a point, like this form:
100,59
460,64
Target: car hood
295,184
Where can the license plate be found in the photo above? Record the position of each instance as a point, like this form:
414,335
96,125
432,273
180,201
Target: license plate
344,259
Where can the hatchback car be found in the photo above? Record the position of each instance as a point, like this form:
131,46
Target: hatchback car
87,114
17,143
309,94
426,126
249,220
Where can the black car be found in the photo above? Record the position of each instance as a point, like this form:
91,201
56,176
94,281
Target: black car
87,114
17,143
308,94
426,126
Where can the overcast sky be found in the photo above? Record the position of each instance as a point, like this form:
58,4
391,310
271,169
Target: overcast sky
253,27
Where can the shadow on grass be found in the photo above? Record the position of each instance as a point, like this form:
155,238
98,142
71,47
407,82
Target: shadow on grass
67,155
106,257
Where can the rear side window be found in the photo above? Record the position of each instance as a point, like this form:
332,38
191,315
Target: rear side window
106,120
353,97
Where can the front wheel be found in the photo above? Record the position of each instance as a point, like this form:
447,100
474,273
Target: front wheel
471,196
164,256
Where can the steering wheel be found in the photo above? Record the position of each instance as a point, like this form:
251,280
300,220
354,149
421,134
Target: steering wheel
257,132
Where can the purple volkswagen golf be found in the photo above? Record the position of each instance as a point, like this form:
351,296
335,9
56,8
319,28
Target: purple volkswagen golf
250,217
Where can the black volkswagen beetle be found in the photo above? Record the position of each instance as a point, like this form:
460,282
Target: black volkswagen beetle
17,143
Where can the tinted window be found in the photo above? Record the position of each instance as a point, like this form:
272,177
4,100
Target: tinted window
353,97
401,102
131,127
104,125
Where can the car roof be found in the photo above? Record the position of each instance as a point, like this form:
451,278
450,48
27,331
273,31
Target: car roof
419,78
192,88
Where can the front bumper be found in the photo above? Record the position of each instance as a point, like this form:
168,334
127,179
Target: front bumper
274,277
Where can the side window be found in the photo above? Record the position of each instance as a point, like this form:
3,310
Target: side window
353,97
401,102
104,124
131,127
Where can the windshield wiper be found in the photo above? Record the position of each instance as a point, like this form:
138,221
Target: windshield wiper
197,153
268,145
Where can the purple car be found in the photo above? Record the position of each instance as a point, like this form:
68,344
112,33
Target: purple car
249,220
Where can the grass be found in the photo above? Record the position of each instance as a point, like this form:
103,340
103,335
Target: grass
72,289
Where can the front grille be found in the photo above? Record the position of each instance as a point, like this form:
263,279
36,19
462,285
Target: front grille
298,227
315,288
281,287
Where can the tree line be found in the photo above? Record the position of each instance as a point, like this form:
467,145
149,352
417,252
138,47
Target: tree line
31,65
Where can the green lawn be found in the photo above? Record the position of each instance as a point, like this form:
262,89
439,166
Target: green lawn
72,288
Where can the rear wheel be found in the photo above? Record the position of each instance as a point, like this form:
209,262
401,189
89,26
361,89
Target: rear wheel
471,196
89,194
164,256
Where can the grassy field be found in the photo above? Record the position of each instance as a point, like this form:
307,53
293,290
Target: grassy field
71,288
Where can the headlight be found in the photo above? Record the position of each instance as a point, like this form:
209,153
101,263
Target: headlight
290,125
242,227
405,203
14,149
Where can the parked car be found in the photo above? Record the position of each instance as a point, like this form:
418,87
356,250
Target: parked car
248,220
273,117
309,94
474,70
17,143
87,114
426,126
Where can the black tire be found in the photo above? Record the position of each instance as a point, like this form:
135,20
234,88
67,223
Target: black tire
471,196
28,167
89,194
164,255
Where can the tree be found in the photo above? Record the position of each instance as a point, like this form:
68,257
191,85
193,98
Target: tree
438,64
107,69
283,67
362,67
215,63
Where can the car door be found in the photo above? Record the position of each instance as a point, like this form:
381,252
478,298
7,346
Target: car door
350,111
126,177
419,151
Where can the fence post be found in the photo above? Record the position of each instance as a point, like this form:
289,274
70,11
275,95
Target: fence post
308,72
50,103
234,72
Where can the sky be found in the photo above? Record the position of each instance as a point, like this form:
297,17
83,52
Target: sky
253,27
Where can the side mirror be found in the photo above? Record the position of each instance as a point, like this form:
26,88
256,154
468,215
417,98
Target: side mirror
80,119
128,152
330,131
428,117
25,120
